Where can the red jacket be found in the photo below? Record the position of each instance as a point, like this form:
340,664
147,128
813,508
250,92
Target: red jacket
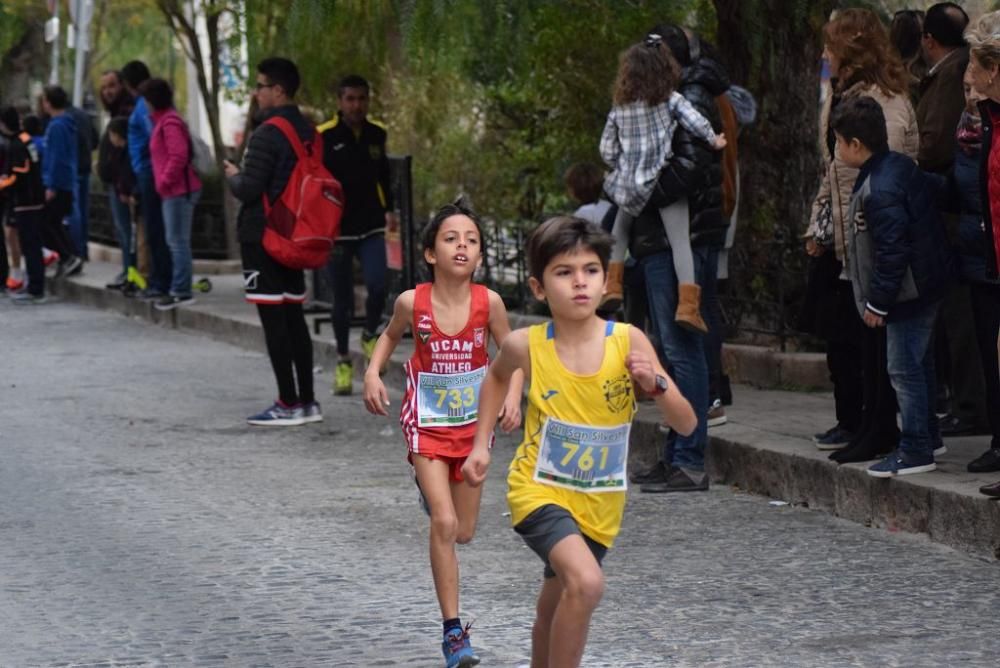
170,152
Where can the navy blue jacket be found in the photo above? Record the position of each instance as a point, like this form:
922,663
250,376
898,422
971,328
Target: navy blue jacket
60,159
908,238
965,197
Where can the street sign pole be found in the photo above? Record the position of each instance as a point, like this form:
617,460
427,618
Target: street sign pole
81,20
54,70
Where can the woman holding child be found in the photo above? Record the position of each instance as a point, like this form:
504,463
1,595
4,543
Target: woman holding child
862,63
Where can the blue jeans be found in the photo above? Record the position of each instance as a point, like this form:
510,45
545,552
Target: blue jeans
370,252
910,357
152,217
178,214
122,218
78,219
683,351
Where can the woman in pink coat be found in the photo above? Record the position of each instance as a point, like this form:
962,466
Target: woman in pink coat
177,184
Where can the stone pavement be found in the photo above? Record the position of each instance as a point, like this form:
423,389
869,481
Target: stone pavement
765,448
143,523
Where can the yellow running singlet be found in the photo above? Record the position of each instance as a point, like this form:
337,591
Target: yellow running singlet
579,424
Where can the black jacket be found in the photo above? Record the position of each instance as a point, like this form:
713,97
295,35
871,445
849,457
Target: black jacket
113,164
905,236
361,165
693,172
24,174
267,164
86,139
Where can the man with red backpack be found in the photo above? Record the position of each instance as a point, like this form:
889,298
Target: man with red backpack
277,290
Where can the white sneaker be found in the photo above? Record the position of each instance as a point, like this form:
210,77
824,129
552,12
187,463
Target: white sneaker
716,414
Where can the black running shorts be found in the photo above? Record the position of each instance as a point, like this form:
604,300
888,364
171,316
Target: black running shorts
267,282
548,525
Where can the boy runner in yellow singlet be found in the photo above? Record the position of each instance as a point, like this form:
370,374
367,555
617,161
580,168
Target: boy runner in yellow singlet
566,484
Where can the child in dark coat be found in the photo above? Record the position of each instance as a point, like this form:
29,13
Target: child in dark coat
900,264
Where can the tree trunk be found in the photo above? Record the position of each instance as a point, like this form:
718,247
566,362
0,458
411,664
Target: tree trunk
774,48
24,62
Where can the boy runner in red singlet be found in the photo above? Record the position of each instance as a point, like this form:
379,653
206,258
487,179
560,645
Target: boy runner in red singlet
452,320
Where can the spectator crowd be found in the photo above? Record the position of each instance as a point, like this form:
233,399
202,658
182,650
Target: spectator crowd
902,279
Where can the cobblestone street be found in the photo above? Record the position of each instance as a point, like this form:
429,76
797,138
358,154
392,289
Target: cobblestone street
142,522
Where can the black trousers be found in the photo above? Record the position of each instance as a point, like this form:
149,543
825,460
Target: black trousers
878,417
986,312
29,233
55,235
290,348
845,356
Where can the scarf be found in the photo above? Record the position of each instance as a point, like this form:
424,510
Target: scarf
970,133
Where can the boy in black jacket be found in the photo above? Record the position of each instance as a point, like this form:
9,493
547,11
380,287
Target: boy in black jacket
900,266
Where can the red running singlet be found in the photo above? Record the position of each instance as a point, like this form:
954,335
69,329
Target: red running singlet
443,378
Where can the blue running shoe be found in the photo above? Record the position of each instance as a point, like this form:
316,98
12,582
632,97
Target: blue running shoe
902,463
311,412
457,649
279,416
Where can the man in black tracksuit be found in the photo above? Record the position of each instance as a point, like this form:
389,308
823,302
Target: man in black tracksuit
21,182
276,290
354,152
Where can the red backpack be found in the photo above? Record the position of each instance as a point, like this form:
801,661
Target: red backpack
305,220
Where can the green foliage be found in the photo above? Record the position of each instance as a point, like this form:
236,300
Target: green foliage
495,99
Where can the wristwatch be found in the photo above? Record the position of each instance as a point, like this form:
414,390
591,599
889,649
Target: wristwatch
661,386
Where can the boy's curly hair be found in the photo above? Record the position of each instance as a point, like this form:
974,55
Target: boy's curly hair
647,72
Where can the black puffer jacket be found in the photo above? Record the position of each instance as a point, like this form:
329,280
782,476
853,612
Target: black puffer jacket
267,164
694,171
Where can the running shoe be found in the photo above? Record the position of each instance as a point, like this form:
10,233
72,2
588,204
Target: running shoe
311,412
169,302
278,415
27,299
457,648
49,257
343,379
14,284
368,342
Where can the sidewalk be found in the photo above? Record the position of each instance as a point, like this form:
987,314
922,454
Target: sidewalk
765,447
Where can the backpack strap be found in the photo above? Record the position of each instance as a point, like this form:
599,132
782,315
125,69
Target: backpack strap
292,136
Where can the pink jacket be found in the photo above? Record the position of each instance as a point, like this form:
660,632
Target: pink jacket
170,152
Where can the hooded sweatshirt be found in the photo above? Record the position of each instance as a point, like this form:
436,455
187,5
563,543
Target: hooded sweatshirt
60,159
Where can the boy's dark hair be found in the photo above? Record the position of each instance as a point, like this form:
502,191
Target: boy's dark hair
861,118
283,72
10,118
457,208
946,22
158,94
119,126
352,81
565,234
585,182
56,97
33,125
134,73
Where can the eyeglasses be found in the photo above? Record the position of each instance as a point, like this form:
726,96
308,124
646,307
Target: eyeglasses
262,86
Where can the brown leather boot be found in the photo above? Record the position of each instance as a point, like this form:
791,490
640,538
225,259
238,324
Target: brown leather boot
615,293
688,313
